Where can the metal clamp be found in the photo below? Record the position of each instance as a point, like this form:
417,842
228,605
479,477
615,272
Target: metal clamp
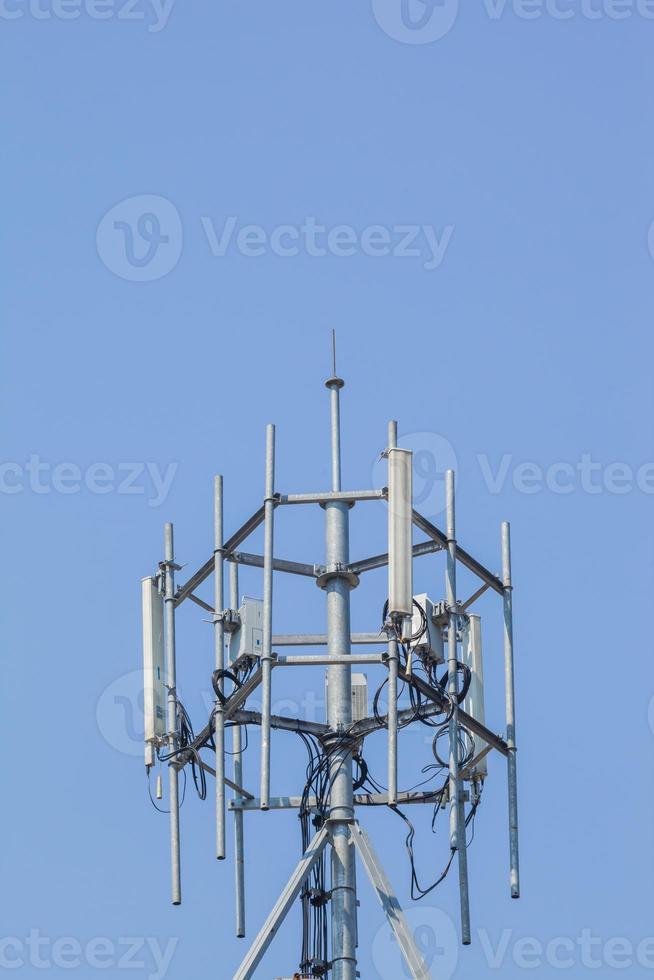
339,570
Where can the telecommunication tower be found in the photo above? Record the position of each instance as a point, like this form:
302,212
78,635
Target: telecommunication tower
420,637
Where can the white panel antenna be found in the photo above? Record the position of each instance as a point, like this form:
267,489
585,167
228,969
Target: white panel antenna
154,672
474,703
400,533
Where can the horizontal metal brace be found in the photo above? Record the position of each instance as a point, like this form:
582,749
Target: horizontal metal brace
367,726
279,564
360,799
320,639
346,496
282,723
380,561
471,563
317,661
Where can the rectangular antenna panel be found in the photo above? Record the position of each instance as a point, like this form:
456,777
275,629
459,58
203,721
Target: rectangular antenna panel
247,639
154,669
400,533
474,702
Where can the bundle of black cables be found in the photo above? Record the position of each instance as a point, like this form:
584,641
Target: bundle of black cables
325,760
185,740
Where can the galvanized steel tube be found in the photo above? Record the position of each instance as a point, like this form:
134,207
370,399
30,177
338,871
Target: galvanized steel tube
171,685
457,811
266,656
510,711
393,664
237,750
219,641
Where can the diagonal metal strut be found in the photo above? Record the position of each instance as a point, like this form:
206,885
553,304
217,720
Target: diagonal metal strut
284,902
390,904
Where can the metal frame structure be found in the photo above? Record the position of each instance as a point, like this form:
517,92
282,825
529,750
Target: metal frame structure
341,831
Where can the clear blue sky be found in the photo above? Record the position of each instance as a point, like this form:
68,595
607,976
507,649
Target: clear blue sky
519,334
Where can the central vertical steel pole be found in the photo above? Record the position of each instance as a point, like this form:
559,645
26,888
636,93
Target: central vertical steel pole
457,811
339,714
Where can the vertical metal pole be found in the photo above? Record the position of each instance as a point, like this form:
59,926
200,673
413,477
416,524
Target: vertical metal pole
393,665
171,684
237,749
510,710
266,656
219,640
339,716
457,811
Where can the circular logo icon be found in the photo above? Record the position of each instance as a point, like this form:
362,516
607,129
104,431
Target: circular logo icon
140,239
433,455
119,714
416,21
435,936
